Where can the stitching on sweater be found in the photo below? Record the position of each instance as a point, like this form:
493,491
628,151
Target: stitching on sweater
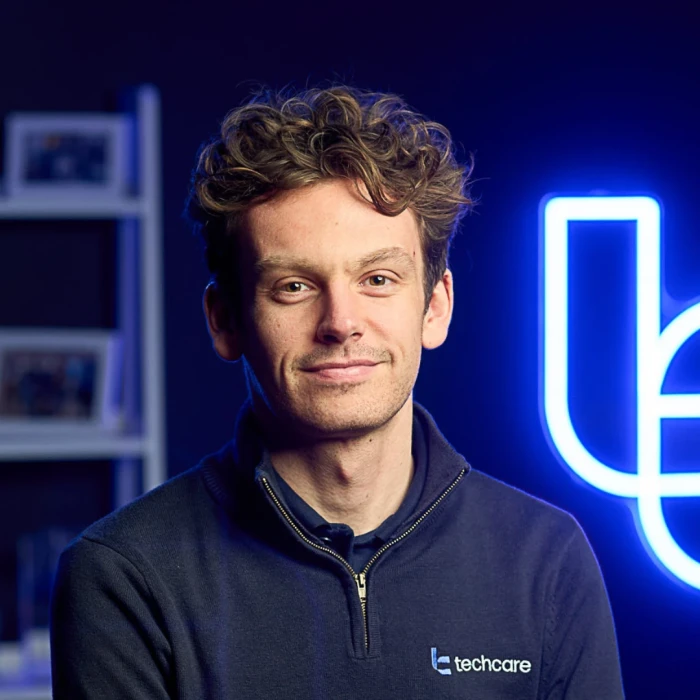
111,548
551,621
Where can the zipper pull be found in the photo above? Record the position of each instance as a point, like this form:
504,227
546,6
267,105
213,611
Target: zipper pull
361,582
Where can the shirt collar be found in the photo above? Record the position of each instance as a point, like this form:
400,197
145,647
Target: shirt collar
316,524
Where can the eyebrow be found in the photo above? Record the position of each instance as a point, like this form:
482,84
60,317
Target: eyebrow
390,254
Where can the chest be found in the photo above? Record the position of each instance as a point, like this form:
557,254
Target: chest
269,626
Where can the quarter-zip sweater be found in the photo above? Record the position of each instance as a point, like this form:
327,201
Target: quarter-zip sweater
207,588
356,550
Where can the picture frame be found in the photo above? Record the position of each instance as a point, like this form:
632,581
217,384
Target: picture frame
56,382
65,154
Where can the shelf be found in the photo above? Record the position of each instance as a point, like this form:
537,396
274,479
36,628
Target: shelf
56,448
23,692
64,208
139,306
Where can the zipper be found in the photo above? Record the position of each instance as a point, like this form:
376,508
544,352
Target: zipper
361,581
398,539
359,578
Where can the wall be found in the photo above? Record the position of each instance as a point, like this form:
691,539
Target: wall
547,99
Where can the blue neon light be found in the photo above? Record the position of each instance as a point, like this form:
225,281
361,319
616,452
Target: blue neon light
655,351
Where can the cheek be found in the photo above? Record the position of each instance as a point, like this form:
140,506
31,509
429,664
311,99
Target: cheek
402,329
274,335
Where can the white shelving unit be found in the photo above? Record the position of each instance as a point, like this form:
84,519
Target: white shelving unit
139,323
26,693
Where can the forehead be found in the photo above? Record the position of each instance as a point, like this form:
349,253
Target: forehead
330,222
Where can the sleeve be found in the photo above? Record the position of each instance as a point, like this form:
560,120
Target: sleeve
106,640
581,659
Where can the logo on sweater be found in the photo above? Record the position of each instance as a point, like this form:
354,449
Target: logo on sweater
478,664
441,660
656,349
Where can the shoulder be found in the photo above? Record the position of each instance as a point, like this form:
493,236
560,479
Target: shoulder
507,514
153,522
519,534
504,499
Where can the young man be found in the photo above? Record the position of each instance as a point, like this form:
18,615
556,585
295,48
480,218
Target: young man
338,547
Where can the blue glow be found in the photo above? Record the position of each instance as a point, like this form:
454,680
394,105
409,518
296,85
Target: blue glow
655,351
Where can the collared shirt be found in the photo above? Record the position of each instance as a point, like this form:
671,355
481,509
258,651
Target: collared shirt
339,536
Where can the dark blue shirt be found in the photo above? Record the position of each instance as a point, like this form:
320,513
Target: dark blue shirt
339,536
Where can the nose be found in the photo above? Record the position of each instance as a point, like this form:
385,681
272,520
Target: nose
341,319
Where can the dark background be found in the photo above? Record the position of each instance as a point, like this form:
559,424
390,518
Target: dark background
549,99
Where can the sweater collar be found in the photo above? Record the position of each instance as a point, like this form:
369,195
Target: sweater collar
316,524
230,472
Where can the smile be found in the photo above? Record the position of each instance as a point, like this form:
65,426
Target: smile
334,372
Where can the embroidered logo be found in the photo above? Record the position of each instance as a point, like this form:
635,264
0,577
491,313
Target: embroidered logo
478,664
441,660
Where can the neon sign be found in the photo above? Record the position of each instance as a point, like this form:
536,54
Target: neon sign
655,351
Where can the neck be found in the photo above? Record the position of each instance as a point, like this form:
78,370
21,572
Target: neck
359,481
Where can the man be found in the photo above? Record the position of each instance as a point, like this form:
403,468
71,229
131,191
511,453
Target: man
338,547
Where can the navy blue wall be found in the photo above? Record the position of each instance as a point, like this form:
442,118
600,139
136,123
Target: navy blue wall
548,100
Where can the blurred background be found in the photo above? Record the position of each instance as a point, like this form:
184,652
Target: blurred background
550,99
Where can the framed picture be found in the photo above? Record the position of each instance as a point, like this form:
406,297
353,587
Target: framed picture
55,382
74,155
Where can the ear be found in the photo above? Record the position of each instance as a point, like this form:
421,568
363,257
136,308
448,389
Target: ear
439,314
224,335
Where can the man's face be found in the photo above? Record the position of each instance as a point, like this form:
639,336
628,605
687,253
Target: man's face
333,310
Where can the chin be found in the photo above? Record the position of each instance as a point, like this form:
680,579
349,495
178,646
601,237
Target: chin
341,414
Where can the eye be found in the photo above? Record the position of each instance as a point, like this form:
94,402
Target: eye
378,281
292,287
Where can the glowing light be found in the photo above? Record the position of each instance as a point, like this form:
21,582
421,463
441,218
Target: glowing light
655,351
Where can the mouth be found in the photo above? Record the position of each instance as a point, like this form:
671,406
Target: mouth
355,370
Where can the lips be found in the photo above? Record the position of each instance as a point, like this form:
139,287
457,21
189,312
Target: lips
341,365
354,370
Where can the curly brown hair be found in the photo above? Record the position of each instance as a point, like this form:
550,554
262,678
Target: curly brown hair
280,141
